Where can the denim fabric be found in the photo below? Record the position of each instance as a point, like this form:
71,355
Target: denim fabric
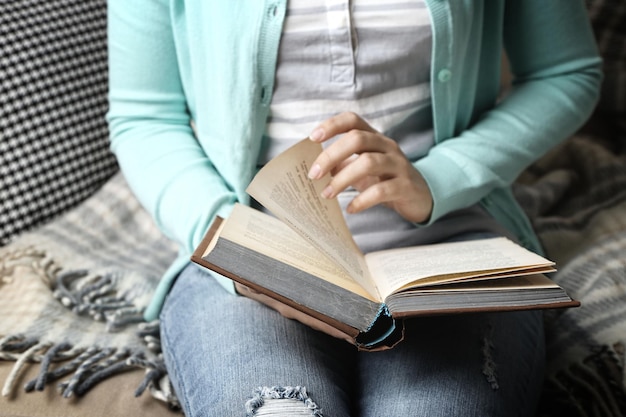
224,352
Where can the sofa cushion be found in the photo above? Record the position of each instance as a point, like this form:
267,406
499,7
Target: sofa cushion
53,98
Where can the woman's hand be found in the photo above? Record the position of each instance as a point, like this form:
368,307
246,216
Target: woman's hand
373,164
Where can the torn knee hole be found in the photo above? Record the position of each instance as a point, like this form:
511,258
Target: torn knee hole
281,401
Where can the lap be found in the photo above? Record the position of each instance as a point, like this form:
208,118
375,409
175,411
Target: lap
219,347
469,365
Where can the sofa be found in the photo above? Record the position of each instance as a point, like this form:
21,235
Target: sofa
55,166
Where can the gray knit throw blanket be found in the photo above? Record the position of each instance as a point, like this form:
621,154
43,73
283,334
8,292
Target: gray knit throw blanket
72,295
576,198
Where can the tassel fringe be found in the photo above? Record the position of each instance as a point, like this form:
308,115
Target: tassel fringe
40,262
590,388
95,295
83,369
77,370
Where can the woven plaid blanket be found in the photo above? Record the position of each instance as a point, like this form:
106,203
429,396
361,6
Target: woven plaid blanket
72,295
576,198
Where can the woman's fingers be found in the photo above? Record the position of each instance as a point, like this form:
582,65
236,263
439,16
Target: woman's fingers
339,124
356,139
380,193
353,142
371,163
367,165
410,198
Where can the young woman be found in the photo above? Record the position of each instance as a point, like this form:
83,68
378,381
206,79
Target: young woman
405,97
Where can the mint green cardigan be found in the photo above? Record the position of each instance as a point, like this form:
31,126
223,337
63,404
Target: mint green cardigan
213,62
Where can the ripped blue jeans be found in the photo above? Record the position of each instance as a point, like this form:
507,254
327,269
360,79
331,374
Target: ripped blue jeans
228,355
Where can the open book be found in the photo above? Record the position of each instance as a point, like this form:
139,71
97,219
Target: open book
306,258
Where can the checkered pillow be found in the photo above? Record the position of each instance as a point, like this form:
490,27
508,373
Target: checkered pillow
53,85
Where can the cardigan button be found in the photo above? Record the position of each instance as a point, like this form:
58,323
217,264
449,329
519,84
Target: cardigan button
444,75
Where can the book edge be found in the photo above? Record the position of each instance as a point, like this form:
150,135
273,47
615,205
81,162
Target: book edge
464,310
198,258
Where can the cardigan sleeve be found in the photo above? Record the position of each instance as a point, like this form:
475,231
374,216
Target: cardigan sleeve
150,124
557,76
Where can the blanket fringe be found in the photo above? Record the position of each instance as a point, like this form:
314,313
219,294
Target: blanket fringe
83,368
87,294
96,296
163,390
40,262
591,388
80,290
19,364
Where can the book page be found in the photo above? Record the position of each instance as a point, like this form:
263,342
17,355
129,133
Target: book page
533,281
284,188
269,236
405,267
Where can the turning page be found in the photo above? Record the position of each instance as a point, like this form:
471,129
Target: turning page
269,236
284,188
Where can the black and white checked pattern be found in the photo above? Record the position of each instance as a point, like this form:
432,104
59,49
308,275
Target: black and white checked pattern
53,98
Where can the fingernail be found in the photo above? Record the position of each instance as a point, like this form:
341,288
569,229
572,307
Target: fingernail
328,192
350,208
317,135
314,173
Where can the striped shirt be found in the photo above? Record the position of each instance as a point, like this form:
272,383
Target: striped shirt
371,57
